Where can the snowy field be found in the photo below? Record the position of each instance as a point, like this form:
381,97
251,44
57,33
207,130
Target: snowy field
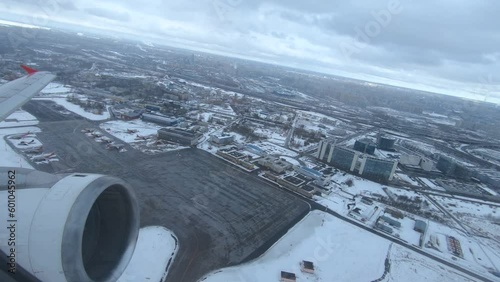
155,250
322,239
340,252
9,157
360,185
19,118
477,256
482,219
410,266
77,109
55,88
57,92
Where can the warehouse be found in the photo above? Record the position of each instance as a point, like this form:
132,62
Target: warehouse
163,120
222,139
180,136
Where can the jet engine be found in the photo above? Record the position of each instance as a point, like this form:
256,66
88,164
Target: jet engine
71,228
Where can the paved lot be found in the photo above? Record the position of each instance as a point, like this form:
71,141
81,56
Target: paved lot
220,214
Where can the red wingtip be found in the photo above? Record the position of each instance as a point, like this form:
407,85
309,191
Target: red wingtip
29,70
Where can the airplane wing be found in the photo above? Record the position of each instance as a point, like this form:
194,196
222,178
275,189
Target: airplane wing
16,93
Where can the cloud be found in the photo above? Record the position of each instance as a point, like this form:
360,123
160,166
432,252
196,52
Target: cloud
109,14
448,44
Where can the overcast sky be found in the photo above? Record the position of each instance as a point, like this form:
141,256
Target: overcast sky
448,46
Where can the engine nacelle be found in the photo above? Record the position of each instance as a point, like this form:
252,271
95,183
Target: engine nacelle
74,228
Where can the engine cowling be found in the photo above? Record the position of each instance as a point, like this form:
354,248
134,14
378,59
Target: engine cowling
74,228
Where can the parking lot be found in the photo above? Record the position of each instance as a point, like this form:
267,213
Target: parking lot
220,214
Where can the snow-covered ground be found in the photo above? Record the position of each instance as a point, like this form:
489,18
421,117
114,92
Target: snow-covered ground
55,88
431,184
9,158
77,109
359,186
143,135
481,219
19,118
273,149
477,256
406,178
58,92
291,160
155,250
338,250
119,128
410,266
274,135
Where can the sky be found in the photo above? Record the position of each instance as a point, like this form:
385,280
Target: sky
446,46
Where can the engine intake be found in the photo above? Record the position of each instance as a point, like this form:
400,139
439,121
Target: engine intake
81,227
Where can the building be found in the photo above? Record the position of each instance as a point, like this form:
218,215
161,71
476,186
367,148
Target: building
450,167
426,164
352,161
163,120
180,136
406,159
288,277
222,139
324,147
307,266
153,108
390,221
365,146
255,149
377,169
309,172
395,213
125,113
275,164
446,165
416,162
385,143
420,226
384,228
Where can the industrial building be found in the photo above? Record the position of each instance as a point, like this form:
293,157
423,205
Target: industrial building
414,162
275,164
450,167
222,139
307,266
288,277
377,169
125,113
385,143
309,172
163,120
365,146
352,161
255,149
390,221
180,136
